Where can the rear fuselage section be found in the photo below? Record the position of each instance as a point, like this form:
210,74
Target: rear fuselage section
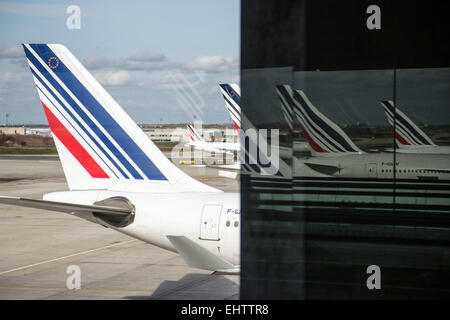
212,220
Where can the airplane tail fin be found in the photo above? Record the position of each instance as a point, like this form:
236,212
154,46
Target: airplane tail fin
288,112
193,134
323,135
407,133
99,145
232,95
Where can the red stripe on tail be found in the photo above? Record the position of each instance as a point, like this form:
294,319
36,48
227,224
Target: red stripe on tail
237,127
312,143
75,148
400,138
291,132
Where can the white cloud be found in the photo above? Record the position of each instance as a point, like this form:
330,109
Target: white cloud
12,52
211,64
96,62
148,56
33,9
129,64
118,78
143,61
153,61
8,77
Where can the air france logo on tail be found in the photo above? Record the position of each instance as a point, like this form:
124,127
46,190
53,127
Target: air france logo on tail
190,135
81,120
193,134
232,95
406,132
288,112
324,136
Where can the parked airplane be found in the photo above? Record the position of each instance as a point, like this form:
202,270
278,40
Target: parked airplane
232,94
118,178
410,138
334,153
196,140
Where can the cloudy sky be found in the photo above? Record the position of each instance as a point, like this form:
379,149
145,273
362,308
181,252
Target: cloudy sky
161,60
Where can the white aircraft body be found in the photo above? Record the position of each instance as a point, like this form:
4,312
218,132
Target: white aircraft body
118,178
334,154
410,138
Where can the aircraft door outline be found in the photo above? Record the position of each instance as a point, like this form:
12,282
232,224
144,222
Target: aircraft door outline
372,170
210,222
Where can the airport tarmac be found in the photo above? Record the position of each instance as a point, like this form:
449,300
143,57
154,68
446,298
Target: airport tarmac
38,246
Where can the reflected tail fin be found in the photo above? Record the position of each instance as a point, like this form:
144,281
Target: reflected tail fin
324,136
407,133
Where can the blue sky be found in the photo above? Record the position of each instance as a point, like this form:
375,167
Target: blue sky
161,60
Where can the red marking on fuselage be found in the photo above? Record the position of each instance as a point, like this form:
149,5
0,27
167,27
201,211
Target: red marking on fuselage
74,147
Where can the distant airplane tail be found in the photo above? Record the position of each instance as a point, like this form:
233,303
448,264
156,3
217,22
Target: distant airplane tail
288,113
407,133
99,145
232,95
324,136
193,134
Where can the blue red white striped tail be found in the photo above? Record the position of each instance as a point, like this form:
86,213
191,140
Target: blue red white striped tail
323,135
407,133
288,112
232,95
99,145
193,134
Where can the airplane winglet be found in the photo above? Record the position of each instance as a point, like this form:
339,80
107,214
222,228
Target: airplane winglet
196,256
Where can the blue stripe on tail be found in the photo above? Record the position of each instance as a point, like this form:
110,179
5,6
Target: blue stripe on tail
103,117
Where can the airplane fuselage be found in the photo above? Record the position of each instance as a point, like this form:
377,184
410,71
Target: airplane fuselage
211,220
381,165
220,147
425,149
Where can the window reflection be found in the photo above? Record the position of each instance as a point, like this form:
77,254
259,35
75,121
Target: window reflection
370,188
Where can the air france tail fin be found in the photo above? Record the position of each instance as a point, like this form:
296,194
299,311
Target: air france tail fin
99,145
232,95
407,133
288,113
323,135
193,134
251,163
